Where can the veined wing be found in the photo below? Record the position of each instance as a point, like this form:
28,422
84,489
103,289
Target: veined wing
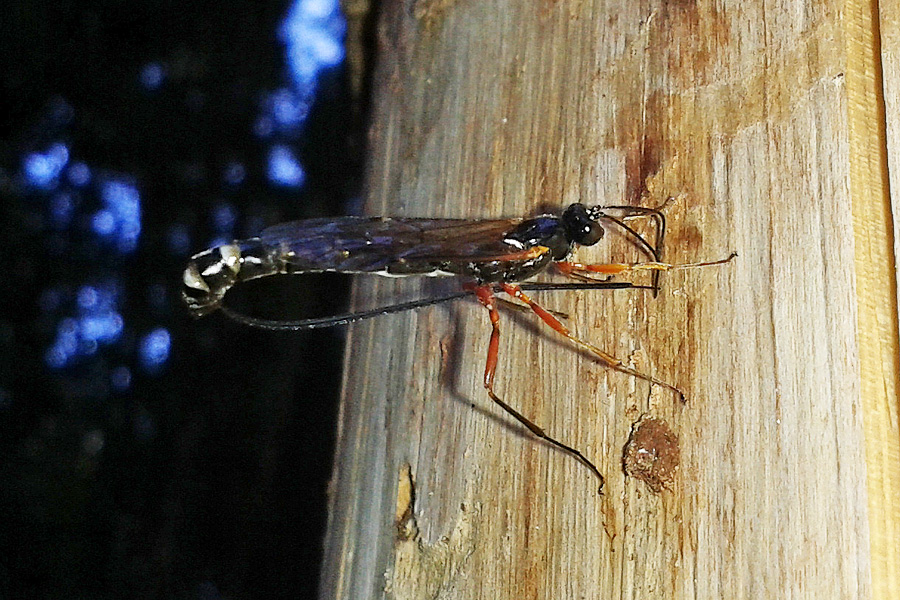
373,244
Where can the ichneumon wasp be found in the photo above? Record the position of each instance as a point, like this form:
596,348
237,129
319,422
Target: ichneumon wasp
492,256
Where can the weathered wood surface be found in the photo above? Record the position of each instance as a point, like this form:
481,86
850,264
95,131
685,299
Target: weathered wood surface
735,117
873,54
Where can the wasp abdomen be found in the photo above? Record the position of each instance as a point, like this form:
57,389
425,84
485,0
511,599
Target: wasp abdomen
210,274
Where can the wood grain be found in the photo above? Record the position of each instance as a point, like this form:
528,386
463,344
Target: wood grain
735,118
874,226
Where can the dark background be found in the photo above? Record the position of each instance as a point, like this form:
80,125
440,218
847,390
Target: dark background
146,454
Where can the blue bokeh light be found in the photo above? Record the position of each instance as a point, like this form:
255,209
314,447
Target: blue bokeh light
154,349
120,218
120,378
93,442
55,357
62,209
88,297
178,238
79,174
313,33
234,173
97,323
153,75
89,317
224,217
288,108
284,168
42,169
101,328
103,223
264,126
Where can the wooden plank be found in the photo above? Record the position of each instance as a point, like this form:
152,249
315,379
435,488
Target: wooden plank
874,40
739,114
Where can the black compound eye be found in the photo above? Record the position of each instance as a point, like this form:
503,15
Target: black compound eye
590,234
580,227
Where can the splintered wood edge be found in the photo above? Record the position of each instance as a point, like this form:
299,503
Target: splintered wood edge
876,287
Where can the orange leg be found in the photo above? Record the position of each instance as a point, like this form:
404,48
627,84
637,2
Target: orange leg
486,297
608,359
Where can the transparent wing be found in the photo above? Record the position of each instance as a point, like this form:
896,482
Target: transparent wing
372,244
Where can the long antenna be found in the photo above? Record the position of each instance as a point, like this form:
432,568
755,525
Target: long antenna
654,251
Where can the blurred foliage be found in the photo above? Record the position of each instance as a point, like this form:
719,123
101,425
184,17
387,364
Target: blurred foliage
204,478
